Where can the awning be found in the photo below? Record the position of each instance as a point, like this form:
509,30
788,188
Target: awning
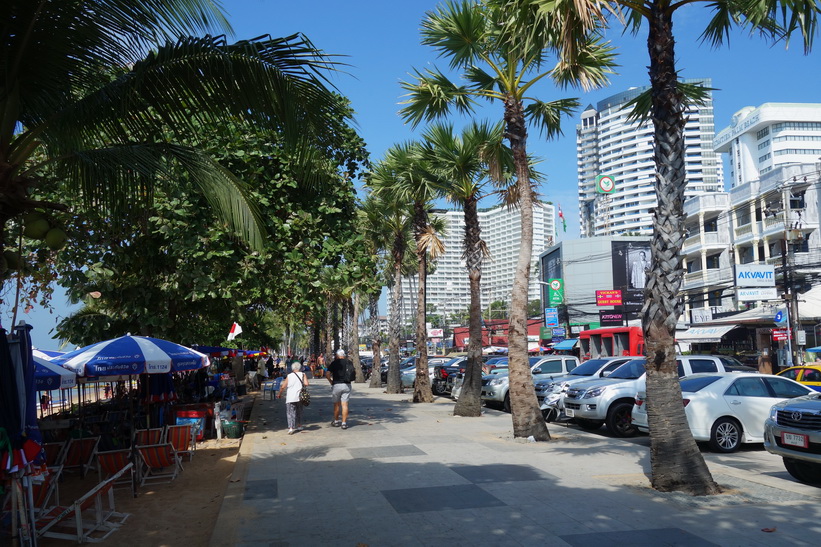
566,345
711,334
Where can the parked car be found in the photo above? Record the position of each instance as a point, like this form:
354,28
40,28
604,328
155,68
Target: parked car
593,368
403,364
809,375
495,387
610,400
727,408
408,376
793,431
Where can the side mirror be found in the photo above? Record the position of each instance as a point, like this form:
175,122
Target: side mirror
606,373
536,371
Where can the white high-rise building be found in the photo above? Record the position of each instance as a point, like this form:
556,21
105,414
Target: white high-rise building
774,134
449,288
607,143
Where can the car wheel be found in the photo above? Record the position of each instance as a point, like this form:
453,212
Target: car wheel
506,404
806,472
435,389
618,420
725,436
588,425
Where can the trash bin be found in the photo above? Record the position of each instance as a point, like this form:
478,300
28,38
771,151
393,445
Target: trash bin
232,430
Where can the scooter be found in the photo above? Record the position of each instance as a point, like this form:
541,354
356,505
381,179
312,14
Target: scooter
551,411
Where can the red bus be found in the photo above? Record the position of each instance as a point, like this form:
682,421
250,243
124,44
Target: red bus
611,342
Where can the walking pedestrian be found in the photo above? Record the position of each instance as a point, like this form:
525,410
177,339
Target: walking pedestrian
293,383
340,374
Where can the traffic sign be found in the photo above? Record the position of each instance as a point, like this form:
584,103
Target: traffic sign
780,318
605,184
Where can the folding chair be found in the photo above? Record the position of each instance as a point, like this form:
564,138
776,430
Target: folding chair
85,520
46,488
149,436
182,438
80,453
111,462
55,453
159,463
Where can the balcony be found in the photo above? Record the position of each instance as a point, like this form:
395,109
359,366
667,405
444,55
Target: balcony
705,278
714,202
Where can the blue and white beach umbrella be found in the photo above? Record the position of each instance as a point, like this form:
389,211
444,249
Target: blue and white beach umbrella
132,355
48,376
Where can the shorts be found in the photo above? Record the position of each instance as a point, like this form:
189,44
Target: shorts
341,393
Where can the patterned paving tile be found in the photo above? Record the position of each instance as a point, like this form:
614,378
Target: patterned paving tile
263,489
500,472
440,498
667,537
386,451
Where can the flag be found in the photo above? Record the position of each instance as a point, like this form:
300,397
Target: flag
564,220
235,331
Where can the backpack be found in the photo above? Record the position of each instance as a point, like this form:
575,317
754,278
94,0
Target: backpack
349,375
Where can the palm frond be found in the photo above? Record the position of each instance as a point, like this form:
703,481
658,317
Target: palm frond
641,108
433,96
589,67
130,172
457,30
547,115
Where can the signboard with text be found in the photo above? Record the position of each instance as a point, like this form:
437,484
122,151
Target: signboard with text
611,318
551,317
780,335
559,334
608,298
754,275
753,294
555,292
436,333
545,333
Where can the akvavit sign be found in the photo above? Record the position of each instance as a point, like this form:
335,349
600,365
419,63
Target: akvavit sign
754,275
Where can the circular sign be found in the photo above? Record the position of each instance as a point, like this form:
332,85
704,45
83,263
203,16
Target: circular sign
605,184
555,284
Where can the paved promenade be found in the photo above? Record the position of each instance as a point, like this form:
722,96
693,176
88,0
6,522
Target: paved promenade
413,474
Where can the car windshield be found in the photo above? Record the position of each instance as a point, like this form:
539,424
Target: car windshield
502,361
534,360
629,370
691,385
589,368
730,361
494,360
453,361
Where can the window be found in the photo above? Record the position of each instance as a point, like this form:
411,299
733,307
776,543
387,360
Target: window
811,375
711,225
784,388
762,133
791,374
703,365
748,387
765,157
763,145
712,261
797,200
549,367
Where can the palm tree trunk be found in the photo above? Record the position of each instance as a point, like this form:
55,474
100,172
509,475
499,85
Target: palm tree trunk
360,377
421,387
524,407
676,462
470,400
329,325
394,384
376,345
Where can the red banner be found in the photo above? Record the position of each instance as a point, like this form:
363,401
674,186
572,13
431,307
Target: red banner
608,298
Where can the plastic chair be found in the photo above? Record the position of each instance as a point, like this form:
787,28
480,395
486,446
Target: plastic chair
159,463
182,438
85,520
80,453
268,387
112,462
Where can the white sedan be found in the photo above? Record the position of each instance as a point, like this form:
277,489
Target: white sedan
727,408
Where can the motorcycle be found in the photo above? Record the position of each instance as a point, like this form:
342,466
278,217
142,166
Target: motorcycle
551,411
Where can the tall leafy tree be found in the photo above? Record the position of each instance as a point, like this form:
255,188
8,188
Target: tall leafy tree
501,63
466,164
412,181
111,138
676,461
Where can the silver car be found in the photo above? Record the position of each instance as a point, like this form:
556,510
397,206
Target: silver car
793,431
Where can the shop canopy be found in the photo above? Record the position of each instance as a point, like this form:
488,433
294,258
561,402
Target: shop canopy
704,335
565,345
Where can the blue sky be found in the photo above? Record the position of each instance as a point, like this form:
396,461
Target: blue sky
380,40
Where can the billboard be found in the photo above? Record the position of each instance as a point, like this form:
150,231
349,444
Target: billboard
754,275
555,292
551,317
631,262
611,318
608,298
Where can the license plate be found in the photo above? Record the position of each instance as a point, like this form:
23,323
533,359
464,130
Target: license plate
794,439
569,412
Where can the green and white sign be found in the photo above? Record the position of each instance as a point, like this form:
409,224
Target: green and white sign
555,292
605,184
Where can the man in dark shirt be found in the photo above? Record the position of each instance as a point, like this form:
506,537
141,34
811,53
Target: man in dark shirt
339,376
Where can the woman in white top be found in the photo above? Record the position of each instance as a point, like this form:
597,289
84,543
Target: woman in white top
293,383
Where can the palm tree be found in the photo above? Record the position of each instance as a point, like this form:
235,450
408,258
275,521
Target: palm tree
395,217
413,182
499,67
466,164
91,89
676,462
